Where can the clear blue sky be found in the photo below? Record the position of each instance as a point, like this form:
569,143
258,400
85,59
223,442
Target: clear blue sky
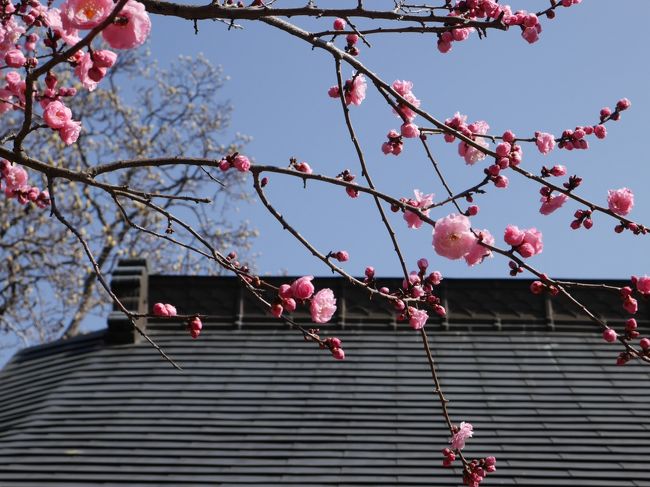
586,58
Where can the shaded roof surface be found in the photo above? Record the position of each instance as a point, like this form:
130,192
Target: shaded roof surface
256,405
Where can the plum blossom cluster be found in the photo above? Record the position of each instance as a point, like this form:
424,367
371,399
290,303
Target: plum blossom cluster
630,332
454,238
577,138
475,471
417,290
333,344
300,166
394,145
166,310
354,90
526,243
351,39
13,182
348,177
472,131
551,202
22,29
236,160
422,202
491,9
408,130
322,304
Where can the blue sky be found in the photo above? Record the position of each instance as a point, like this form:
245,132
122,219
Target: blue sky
584,60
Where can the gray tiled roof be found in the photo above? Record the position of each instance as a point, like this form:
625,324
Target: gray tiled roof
256,405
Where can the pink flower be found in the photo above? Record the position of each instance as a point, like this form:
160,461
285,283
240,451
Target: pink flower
404,89
194,327
643,285
545,142
302,288
69,133
513,236
104,58
478,252
56,115
303,167
418,318
471,154
609,335
532,243
341,255
162,309
355,90
15,58
130,28
465,431
620,201
550,204
339,24
15,177
333,92
83,71
452,237
338,353
421,201
242,163
630,305
410,130
323,306
284,291
85,14
290,305
69,34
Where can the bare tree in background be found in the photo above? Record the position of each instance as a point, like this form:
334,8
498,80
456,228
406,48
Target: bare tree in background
47,286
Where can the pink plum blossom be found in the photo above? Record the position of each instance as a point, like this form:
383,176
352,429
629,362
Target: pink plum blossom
56,115
85,14
354,90
609,335
404,89
418,318
532,244
69,133
550,204
452,237
82,70
620,201
339,24
164,309
241,163
465,431
130,28
303,167
478,252
513,236
68,34
421,201
643,285
545,142
14,176
15,58
194,327
302,288
323,306
410,130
